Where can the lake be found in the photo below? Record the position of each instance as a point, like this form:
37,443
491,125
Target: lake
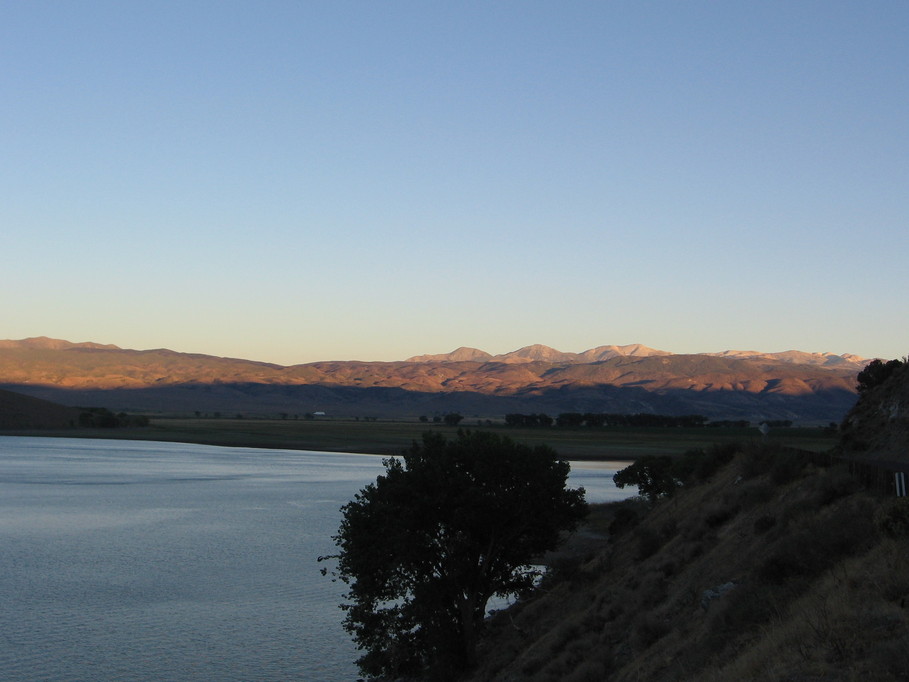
135,560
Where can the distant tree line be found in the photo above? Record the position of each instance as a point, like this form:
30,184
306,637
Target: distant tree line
101,417
450,419
528,420
600,419
595,419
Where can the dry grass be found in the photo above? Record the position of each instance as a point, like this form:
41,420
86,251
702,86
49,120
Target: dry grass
816,593
851,624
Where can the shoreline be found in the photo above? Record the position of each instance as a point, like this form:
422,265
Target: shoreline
143,434
388,438
259,444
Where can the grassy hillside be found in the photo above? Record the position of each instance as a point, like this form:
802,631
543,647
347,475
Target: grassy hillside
772,568
769,563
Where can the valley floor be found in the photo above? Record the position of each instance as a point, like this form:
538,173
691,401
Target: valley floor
387,437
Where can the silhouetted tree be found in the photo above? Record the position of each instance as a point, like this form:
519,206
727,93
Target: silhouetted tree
591,419
445,528
653,475
875,373
528,420
570,419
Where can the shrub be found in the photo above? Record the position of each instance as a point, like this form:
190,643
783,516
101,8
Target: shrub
627,515
763,524
698,465
669,529
751,493
717,456
696,550
786,466
564,567
653,475
757,460
892,518
648,543
669,569
786,562
719,515
587,671
648,629
652,589
818,544
782,464
747,606
836,484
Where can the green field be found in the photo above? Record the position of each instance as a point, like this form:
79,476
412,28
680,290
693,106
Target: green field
390,437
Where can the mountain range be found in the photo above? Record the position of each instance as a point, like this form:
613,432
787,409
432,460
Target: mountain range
796,385
540,353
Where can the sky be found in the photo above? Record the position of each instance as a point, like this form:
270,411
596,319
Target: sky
301,181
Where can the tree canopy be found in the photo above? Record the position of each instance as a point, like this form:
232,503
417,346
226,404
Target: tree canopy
449,525
875,373
652,474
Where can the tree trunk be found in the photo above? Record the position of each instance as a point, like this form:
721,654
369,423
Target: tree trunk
469,629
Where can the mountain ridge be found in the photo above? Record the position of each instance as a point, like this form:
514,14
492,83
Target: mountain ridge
531,353
541,353
634,378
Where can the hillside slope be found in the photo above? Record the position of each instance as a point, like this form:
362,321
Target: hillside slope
769,567
19,411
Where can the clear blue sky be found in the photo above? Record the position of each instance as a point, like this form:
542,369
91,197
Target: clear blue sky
301,181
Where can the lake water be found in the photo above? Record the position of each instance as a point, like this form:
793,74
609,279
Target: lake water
126,560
